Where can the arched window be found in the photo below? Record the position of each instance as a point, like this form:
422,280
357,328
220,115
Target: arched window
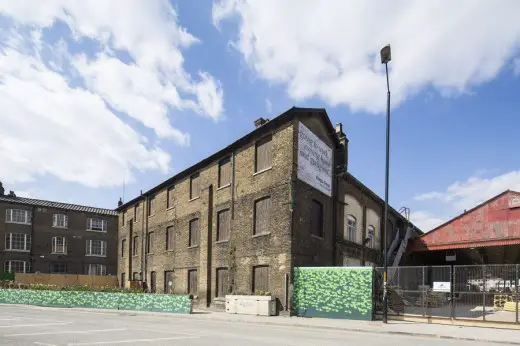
351,228
371,235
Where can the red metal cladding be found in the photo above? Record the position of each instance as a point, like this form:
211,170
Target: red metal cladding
492,223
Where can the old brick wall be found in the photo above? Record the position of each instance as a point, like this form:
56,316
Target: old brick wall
242,251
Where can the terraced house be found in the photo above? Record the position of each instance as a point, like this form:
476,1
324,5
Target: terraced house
60,238
239,221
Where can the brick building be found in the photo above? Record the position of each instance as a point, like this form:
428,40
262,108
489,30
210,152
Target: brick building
241,219
52,237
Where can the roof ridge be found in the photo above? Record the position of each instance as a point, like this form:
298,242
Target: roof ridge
27,200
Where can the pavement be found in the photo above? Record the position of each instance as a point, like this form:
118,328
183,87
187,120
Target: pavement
29,325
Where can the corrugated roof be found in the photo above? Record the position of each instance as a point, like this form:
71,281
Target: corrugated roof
57,205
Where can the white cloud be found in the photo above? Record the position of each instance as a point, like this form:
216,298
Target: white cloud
268,106
63,110
463,195
330,49
425,220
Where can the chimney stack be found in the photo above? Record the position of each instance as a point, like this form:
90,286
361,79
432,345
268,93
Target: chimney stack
11,193
120,202
342,154
2,190
260,122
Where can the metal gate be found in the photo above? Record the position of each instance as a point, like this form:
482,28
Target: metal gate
478,292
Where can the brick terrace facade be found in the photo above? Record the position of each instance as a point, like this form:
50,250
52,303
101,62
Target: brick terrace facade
51,237
240,220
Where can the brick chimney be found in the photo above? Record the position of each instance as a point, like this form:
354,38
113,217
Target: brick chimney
260,122
2,190
120,202
342,152
12,194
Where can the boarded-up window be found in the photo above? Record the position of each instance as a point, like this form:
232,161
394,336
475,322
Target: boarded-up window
192,281
260,279
194,232
149,242
263,154
169,238
262,215
153,282
223,225
123,248
135,246
224,172
151,205
194,186
136,212
169,197
317,218
222,282
168,282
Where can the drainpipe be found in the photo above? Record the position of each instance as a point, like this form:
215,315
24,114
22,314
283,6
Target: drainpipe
143,241
31,253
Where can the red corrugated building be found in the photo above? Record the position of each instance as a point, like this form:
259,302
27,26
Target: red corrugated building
487,234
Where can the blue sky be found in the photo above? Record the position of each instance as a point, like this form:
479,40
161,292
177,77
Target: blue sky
96,93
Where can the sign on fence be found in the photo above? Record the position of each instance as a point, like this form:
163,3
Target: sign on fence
441,286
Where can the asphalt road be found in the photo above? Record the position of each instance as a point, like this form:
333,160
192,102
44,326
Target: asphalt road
55,327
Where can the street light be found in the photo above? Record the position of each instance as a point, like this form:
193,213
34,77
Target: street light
386,56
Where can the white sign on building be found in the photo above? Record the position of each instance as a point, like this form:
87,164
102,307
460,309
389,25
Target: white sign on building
314,161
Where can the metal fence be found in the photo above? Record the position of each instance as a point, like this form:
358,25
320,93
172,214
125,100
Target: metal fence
481,292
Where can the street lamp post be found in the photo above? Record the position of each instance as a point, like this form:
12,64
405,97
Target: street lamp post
386,56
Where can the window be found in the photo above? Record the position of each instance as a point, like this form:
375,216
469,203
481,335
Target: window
260,279
168,282
123,248
60,221
135,246
194,233
153,282
136,208
224,172
17,267
351,228
192,281
263,155
17,242
317,218
95,269
351,261
59,245
123,219
151,206
371,235
149,243
96,248
222,282
169,198
59,268
223,225
194,186
262,215
97,225
123,280
18,216
136,276
170,236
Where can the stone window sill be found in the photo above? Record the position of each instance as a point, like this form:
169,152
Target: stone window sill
260,235
223,187
222,241
194,199
263,171
316,236
193,247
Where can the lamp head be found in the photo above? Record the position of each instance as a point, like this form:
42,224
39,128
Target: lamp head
386,54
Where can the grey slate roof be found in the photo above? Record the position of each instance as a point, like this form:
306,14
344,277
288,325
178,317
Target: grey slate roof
58,205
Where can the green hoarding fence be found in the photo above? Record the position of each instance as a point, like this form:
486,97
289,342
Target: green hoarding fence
333,292
99,300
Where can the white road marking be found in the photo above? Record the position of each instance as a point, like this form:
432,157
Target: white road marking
35,325
71,332
11,318
133,340
43,344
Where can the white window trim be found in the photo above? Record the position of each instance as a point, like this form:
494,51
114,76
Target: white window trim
103,269
9,216
104,225
26,266
349,235
55,221
55,246
27,242
103,248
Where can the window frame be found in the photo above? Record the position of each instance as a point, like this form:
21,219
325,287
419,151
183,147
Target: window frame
218,282
170,238
104,225
9,213
190,235
188,286
57,224
103,247
167,289
169,199
53,271
55,245
254,279
372,242
255,217
221,163
135,246
102,269
351,228
8,266
149,243
123,248
318,204
228,231
259,143
27,242
194,189
151,205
